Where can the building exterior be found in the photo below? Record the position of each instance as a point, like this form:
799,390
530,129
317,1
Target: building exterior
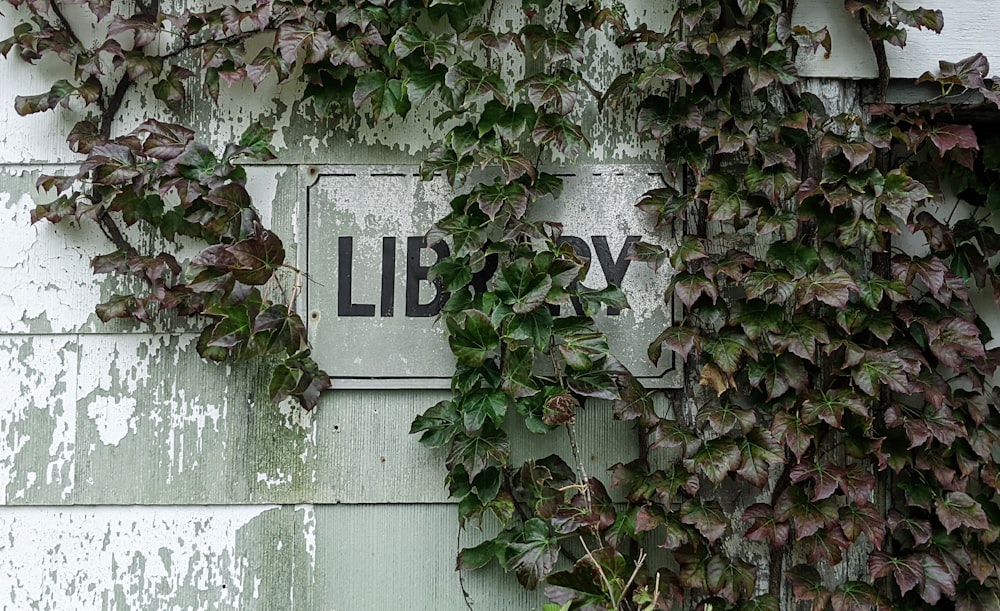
135,476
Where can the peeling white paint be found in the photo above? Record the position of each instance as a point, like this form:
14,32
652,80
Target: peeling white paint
113,417
126,557
38,422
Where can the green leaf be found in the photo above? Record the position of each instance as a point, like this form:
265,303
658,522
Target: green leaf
727,350
522,287
652,255
833,288
471,558
534,327
387,96
472,338
534,554
689,287
476,452
561,132
477,407
707,516
472,83
778,373
715,459
680,339
797,258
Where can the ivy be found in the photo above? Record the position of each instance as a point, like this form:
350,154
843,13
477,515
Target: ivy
844,385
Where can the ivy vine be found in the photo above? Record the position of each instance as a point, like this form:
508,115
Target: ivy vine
836,365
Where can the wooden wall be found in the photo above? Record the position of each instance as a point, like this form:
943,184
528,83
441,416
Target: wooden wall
135,476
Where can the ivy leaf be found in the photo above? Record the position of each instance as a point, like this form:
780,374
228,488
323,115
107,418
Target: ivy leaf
771,286
778,373
123,306
833,288
789,429
594,383
473,338
757,318
292,36
455,166
163,140
731,578
765,527
807,584
723,418
885,367
256,259
436,49
715,459
808,516
534,327
438,425
387,96
863,518
566,136
908,572
652,255
958,509
727,350
948,137
797,258
522,287
725,200
689,287
938,580
285,328
476,452
707,516
498,196
550,89
920,18
477,407
827,545
758,453
954,338
534,554
472,83
171,89
558,45
681,339
665,204
471,558
856,153
829,407
854,595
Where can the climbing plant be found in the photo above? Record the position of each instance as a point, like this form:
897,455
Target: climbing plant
838,396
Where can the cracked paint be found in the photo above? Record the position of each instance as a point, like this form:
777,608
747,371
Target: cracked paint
131,557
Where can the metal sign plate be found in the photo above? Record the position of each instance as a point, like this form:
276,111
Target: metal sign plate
372,313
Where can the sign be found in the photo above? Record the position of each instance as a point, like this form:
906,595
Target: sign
372,312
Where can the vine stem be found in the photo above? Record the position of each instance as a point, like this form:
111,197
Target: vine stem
461,573
584,480
65,23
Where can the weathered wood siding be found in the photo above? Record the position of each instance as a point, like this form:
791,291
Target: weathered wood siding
135,476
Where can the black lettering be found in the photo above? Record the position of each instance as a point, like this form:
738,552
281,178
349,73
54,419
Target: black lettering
613,269
388,275
417,273
480,278
345,266
581,249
